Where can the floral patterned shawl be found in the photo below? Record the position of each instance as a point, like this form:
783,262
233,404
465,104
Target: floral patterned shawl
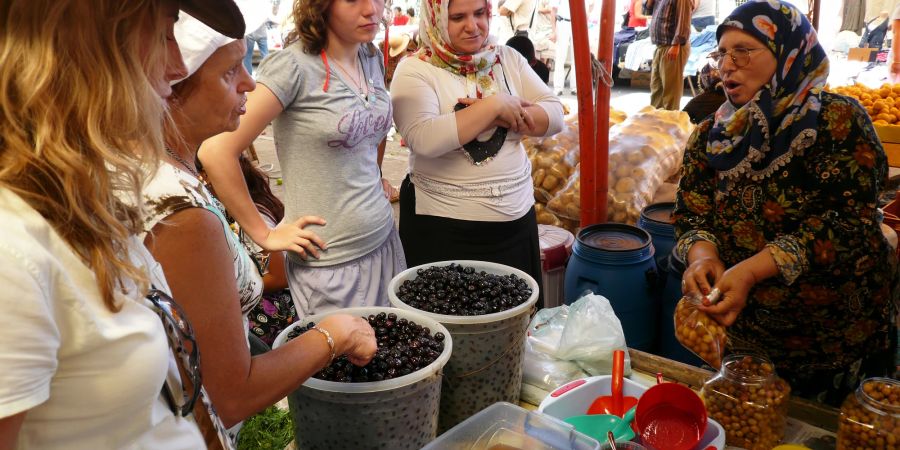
758,138
478,68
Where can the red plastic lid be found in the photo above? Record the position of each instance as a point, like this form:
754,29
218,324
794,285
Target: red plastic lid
556,246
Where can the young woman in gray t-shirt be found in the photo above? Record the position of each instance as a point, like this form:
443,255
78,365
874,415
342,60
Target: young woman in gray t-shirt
325,95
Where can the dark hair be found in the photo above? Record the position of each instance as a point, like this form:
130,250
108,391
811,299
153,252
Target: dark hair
260,191
397,8
410,12
522,45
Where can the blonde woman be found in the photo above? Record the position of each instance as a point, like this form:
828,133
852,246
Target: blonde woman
84,358
325,93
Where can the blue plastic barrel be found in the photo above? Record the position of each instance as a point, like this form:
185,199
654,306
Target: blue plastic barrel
669,346
656,219
616,261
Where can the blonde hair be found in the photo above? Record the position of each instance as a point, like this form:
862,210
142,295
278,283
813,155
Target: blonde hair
79,119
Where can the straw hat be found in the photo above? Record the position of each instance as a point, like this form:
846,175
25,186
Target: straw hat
398,44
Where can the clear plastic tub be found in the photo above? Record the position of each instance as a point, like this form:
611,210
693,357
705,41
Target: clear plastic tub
486,368
504,426
574,399
399,413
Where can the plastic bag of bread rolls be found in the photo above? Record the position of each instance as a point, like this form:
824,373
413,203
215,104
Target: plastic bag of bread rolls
644,151
566,205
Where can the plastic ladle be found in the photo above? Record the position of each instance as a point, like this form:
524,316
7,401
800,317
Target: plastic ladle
616,403
598,426
670,416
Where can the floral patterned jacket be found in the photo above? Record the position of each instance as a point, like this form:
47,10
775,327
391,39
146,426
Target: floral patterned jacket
832,304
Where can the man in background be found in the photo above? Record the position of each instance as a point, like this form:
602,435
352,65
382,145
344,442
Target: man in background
399,17
704,15
520,14
670,30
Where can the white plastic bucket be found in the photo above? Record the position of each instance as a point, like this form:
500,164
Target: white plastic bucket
399,413
486,367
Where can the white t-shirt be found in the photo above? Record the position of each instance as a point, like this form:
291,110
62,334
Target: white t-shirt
424,96
87,377
522,12
706,8
896,14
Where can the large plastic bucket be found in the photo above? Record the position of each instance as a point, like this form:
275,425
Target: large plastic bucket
616,261
668,344
486,367
656,219
400,413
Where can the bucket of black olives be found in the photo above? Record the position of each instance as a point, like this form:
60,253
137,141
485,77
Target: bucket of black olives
390,403
486,307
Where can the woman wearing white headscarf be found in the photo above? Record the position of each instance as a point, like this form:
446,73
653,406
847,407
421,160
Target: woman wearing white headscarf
463,103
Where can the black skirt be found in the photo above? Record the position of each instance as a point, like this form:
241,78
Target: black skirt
428,239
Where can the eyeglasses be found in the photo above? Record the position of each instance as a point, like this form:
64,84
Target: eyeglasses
182,341
739,56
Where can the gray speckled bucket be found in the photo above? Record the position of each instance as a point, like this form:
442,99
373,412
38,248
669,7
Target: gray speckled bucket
400,413
486,364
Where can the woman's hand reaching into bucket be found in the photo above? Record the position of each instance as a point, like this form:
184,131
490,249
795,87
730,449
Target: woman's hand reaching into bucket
353,337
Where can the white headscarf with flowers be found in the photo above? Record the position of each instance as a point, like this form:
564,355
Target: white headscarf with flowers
477,68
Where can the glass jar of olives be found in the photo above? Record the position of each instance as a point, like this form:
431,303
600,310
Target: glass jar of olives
870,417
749,400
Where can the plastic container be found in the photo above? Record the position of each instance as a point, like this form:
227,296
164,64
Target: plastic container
556,246
750,400
575,398
616,261
510,427
487,366
400,413
656,219
669,346
870,417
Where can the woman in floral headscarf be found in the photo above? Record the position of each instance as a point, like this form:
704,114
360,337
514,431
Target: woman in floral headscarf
777,210
463,104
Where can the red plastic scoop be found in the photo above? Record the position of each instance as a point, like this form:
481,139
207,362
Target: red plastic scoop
670,416
615,404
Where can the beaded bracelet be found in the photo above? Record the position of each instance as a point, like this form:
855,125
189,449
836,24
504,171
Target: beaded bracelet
327,338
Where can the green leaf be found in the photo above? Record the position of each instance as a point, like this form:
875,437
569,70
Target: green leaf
272,429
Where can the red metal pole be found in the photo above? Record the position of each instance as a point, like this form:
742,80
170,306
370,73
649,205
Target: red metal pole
584,91
605,55
387,44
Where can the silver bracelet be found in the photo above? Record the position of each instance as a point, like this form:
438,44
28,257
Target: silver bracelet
328,339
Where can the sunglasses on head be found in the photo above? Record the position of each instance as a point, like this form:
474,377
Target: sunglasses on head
181,339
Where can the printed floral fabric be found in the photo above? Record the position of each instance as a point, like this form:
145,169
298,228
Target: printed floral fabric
829,313
478,68
763,135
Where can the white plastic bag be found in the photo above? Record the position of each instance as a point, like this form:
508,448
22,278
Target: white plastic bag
571,342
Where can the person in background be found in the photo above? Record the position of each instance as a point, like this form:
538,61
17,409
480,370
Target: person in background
411,12
562,37
463,104
894,57
875,31
400,46
777,208
326,98
210,272
520,14
399,17
669,31
87,360
259,38
636,16
704,14
524,46
711,97
541,30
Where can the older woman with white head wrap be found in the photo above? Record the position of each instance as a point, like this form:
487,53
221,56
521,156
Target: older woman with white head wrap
211,274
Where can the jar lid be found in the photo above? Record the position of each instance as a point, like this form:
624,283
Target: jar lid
614,237
659,212
556,246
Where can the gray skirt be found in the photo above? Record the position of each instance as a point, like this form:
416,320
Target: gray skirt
359,282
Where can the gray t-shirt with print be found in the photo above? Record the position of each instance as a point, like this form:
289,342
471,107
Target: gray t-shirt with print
327,144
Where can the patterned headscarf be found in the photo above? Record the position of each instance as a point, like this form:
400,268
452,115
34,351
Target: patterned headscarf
761,136
478,68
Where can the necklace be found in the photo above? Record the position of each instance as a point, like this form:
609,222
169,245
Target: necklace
184,163
362,76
